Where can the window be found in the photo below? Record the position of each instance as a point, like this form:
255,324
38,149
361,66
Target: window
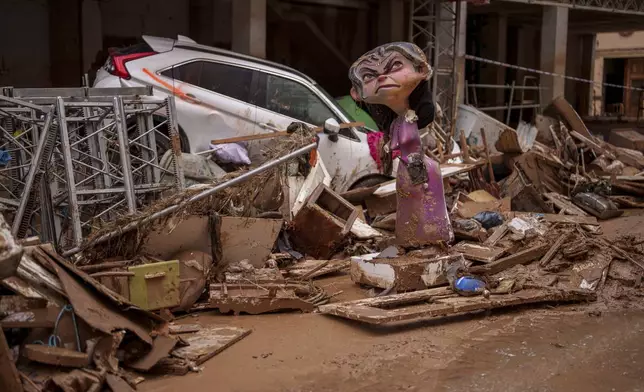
294,100
234,82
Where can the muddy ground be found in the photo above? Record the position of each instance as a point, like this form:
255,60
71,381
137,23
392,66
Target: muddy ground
596,347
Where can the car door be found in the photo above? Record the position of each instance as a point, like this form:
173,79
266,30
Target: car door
223,95
284,100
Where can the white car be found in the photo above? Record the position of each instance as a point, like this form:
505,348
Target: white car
226,94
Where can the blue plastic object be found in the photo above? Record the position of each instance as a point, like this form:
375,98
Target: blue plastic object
469,285
5,158
489,219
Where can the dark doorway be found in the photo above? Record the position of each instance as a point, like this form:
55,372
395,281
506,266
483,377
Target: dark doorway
613,74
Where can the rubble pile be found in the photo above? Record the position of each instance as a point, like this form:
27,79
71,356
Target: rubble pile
104,317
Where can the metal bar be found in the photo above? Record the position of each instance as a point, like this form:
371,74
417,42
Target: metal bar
69,171
121,129
207,193
55,92
505,107
43,109
507,118
175,143
152,140
38,165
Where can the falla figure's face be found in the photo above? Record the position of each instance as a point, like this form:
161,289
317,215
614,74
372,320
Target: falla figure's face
387,79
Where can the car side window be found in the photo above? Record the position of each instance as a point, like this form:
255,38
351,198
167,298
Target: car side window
189,73
234,82
294,100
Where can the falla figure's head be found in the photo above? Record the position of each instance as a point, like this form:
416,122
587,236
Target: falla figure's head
388,74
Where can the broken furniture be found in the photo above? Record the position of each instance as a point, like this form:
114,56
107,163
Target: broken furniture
257,298
155,286
402,273
442,303
322,224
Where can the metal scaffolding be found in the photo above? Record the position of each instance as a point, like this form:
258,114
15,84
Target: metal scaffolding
435,27
81,158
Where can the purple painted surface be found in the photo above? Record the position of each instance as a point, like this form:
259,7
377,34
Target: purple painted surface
421,217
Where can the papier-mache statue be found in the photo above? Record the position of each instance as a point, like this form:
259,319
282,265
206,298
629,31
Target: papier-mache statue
391,82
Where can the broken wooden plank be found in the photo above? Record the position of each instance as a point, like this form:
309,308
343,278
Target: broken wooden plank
581,220
379,312
185,328
10,304
209,342
56,356
523,257
9,376
594,146
571,116
323,223
256,299
588,274
36,318
569,208
478,252
498,234
161,347
402,273
560,218
508,142
553,250
306,268
623,254
105,266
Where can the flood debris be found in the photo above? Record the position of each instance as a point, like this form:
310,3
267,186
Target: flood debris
441,303
521,225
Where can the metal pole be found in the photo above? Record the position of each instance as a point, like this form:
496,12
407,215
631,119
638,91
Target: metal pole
37,166
74,212
175,144
207,193
121,130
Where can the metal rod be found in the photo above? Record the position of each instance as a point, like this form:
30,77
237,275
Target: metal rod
124,149
74,212
36,167
207,193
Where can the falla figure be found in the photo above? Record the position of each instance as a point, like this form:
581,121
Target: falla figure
391,83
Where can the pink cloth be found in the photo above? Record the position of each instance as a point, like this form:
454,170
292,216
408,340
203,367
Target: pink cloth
373,139
421,217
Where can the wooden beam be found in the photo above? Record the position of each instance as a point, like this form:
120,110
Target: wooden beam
9,377
523,257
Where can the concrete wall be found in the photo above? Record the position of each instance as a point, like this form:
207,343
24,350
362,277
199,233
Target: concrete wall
24,62
611,45
614,41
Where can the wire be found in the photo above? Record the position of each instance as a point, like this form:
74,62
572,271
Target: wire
54,339
488,61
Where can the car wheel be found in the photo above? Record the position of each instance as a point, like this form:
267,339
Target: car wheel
370,181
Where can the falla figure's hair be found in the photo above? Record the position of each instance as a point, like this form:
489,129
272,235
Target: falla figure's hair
420,99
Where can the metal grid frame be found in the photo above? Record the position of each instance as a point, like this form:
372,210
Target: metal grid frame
92,158
435,27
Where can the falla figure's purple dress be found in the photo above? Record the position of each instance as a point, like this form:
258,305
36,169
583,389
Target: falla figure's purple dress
421,217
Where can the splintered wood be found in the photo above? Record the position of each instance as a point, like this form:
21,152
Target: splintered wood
442,303
252,298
